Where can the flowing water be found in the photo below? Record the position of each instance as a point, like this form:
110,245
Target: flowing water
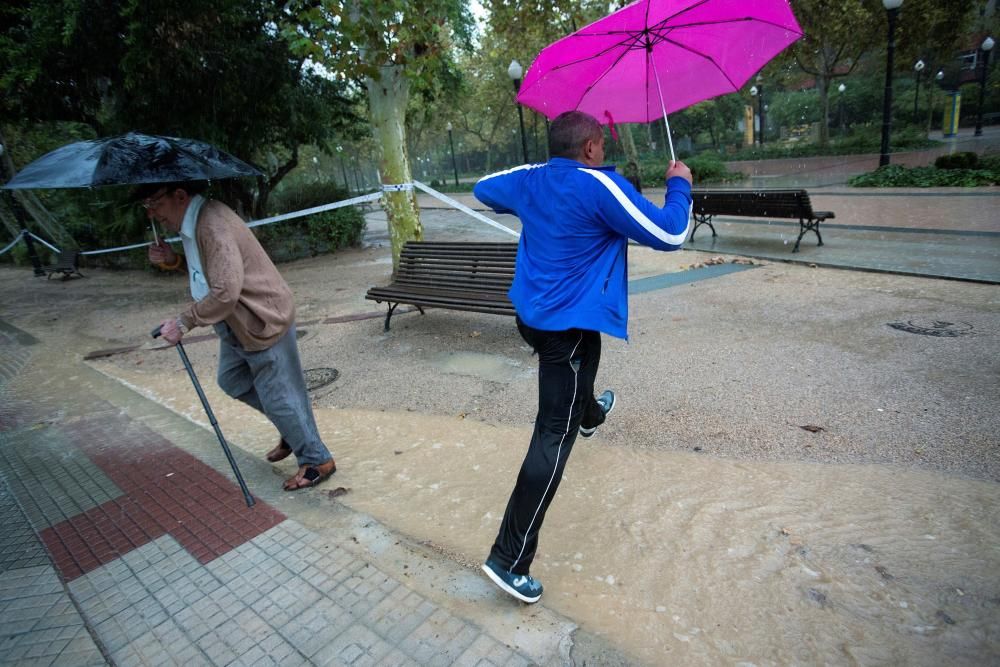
683,558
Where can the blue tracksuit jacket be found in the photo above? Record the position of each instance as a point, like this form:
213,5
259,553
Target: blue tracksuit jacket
576,221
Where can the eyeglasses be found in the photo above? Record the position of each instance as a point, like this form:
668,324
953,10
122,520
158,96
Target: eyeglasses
153,201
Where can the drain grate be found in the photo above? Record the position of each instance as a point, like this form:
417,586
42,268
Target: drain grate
317,378
937,328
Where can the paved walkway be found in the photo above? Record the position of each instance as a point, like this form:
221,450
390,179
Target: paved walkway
935,232
126,542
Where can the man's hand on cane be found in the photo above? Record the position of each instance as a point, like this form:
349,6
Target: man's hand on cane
171,330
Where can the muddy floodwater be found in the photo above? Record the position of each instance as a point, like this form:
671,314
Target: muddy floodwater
684,558
704,524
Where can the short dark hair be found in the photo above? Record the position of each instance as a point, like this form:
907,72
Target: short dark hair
146,190
570,132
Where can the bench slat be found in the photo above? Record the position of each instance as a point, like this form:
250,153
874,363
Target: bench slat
760,203
454,275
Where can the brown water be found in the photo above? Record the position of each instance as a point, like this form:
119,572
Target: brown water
683,558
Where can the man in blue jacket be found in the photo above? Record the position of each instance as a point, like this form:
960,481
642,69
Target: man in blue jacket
570,284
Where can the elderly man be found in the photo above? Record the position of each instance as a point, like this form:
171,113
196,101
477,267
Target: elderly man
570,284
238,291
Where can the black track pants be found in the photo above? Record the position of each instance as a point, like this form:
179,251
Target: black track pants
567,366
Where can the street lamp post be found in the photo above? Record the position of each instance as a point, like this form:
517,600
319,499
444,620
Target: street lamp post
451,143
840,108
514,71
892,9
918,67
761,107
758,92
986,47
343,169
930,111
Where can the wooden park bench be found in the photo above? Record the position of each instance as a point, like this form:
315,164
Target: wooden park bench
67,263
758,204
453,275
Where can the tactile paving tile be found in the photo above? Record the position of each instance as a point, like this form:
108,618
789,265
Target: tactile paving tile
19,545
38,622
162,490
281,598
51,479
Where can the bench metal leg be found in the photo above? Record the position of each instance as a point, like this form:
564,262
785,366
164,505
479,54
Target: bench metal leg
700,220
806,226
388,316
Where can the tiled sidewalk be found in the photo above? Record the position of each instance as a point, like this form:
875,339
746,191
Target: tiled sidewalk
117,546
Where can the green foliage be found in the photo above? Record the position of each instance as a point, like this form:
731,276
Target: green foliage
705,168
314,234
895,176
963,160
217,72
863,141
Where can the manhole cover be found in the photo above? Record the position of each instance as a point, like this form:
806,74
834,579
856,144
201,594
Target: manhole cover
320,377
937,328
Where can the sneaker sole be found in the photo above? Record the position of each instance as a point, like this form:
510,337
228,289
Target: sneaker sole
589,432
507,589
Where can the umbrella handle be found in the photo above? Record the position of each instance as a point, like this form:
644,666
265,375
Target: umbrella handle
155,333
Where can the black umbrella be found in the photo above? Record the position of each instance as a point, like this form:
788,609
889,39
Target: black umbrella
129,159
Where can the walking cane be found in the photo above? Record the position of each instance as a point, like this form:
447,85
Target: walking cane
211,418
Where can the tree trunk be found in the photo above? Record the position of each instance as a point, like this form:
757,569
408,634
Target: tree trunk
631,170
387,98
823,81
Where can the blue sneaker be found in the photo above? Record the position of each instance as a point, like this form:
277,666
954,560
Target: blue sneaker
607,402
522,586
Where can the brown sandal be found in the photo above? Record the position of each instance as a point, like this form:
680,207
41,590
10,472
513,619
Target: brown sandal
310,475
281,451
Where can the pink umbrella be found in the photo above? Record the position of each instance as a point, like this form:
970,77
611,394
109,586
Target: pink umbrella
658,56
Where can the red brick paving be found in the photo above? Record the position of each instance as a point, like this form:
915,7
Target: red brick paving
165,491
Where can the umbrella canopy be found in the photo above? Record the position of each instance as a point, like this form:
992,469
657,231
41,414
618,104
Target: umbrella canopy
654,57
129,159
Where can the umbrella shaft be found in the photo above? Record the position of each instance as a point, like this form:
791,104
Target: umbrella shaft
663,107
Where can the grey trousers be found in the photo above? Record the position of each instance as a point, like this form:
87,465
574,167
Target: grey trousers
271,381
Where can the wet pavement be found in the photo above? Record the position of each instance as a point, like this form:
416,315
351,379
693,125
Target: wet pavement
126,541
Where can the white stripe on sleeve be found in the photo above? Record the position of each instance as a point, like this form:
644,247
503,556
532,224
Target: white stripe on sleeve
637,215
510,171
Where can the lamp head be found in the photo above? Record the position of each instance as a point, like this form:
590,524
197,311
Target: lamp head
939,75
841,87
753,90
987,44
448,126
514,70
919,66
892,4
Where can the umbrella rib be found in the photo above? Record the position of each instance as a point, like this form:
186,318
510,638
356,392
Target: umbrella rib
662,24
610,67
706,57
628,47
660,28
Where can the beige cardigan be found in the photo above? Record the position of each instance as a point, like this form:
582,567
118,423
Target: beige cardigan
245,288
